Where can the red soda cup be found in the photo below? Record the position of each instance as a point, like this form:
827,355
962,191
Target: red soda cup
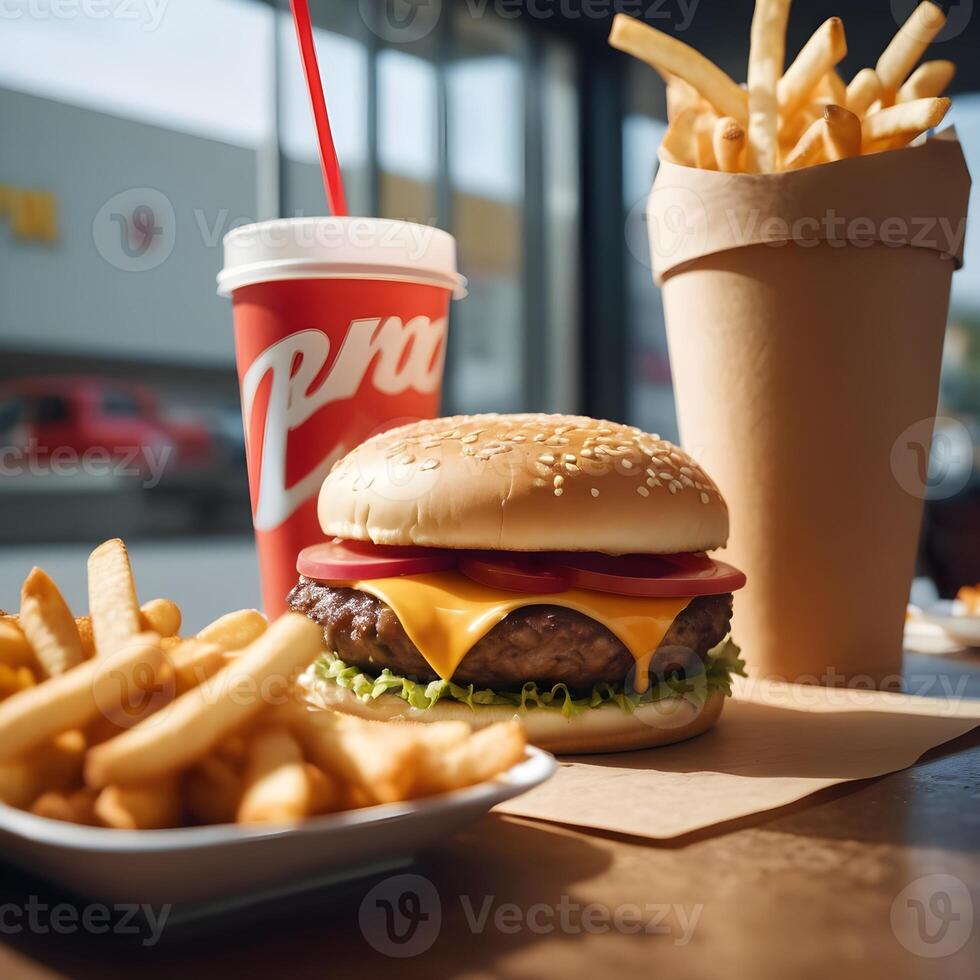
340,332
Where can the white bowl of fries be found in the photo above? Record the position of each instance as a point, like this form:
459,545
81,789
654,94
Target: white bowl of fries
142,766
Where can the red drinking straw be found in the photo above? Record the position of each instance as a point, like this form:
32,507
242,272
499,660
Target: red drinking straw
332,182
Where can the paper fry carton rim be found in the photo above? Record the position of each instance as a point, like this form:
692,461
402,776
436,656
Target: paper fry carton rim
914,197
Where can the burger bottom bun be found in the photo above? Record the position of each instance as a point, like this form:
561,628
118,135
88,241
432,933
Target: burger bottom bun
605,729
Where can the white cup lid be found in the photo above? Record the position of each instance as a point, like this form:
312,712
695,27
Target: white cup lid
339,248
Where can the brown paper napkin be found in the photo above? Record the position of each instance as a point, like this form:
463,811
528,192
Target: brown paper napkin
775,744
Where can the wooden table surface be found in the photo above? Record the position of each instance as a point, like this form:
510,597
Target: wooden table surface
843,884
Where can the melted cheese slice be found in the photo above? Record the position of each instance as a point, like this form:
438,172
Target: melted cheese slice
445,613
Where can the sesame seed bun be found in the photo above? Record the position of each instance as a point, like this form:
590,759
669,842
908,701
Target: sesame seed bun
524,483
605,729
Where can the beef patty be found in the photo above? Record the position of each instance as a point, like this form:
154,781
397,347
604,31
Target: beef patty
546,644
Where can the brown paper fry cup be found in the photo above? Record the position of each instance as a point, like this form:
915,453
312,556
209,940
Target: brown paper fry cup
805,318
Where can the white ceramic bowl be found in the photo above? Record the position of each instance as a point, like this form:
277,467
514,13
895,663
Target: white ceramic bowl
228,863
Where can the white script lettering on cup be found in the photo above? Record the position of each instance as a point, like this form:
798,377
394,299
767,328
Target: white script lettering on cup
402,355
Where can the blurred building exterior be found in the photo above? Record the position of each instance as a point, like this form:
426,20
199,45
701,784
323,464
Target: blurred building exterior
130,145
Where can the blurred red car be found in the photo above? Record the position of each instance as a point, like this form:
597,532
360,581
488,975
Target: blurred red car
76,414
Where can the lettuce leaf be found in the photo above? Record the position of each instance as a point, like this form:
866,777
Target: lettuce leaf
723,661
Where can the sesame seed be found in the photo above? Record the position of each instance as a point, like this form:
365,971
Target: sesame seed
558,491
643,492
559,480
472,437
406,458
571,467
651,472
540,437
587,453
627,465
704,497
546,458
673,487
687,471
652,481
429,464
569,457
540,483
594,491
686,480
666,476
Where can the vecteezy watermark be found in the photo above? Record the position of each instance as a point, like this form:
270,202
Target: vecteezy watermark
414,238
63,919
147,14
677,15
404,21
402,916
959,13
932,916
668,223
135,230
400,21
933,458
146,463
837,230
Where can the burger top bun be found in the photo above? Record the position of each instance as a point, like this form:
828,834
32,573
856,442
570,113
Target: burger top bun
524,483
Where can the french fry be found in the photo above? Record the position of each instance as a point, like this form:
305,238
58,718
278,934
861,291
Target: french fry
151,806
679,144
13,680
900,124
826,47
325,793
863,89
84,626
680,96
212,790
704,151
831,89
670,56
235,630
75,698
907,47
55,766
377,760
927,81
277,788
48,624
194,662
810,149
767,53
728,139
15,651
76,807
487,753
843,133
196,721
791,129
161,616
112,597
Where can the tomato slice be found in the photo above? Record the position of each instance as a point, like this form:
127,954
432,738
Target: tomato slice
666,576
512,571
348,560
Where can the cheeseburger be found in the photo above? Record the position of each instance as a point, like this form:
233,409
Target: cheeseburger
548,565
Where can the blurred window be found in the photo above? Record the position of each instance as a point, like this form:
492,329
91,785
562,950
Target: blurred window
51,408
120,403
486,127
408,136
11,414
